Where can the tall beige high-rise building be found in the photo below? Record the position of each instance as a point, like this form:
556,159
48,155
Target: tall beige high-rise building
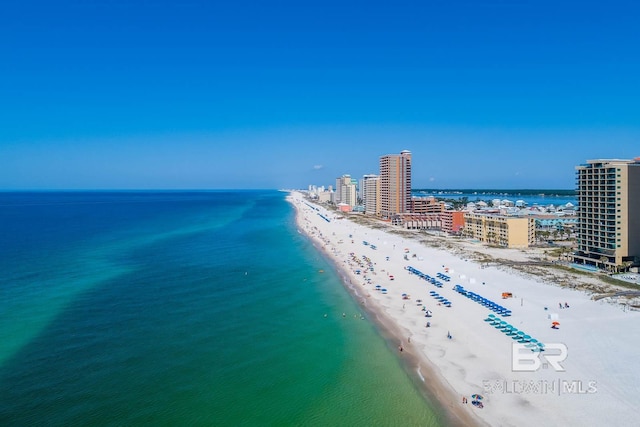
395,184
608,229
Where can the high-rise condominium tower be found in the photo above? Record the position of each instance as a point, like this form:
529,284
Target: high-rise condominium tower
371,198
346,190
363,189
395,184
608,212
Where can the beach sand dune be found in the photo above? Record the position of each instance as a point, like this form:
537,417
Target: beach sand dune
586,375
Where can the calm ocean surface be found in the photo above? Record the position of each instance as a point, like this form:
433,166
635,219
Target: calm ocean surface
183,308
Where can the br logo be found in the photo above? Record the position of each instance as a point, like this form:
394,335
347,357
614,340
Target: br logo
525,360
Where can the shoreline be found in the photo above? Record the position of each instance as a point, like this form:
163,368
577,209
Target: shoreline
478,359
419,368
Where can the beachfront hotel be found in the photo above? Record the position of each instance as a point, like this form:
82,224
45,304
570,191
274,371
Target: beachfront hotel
608,229
370,194
346,191
395,184
452,221
501,230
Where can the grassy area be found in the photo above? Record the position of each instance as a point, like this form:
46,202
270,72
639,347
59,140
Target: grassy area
620,283
601,277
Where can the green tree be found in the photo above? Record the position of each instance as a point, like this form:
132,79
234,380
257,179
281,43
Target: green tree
603,261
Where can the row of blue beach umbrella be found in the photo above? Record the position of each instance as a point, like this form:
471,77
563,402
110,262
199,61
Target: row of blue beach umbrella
513,332
503,311
443,277
426,277
440,298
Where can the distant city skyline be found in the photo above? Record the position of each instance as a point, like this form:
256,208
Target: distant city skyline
229,95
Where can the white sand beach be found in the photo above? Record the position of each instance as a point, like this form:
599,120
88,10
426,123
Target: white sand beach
599,380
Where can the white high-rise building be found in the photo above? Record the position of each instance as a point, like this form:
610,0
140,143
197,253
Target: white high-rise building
346,191
363,187
372,191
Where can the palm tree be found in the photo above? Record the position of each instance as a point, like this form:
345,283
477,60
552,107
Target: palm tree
603,260
491,236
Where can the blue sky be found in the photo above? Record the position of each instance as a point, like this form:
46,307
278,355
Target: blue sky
247,94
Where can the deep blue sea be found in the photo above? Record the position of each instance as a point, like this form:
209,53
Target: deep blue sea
183,308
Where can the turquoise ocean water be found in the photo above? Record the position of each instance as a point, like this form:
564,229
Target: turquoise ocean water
183,308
